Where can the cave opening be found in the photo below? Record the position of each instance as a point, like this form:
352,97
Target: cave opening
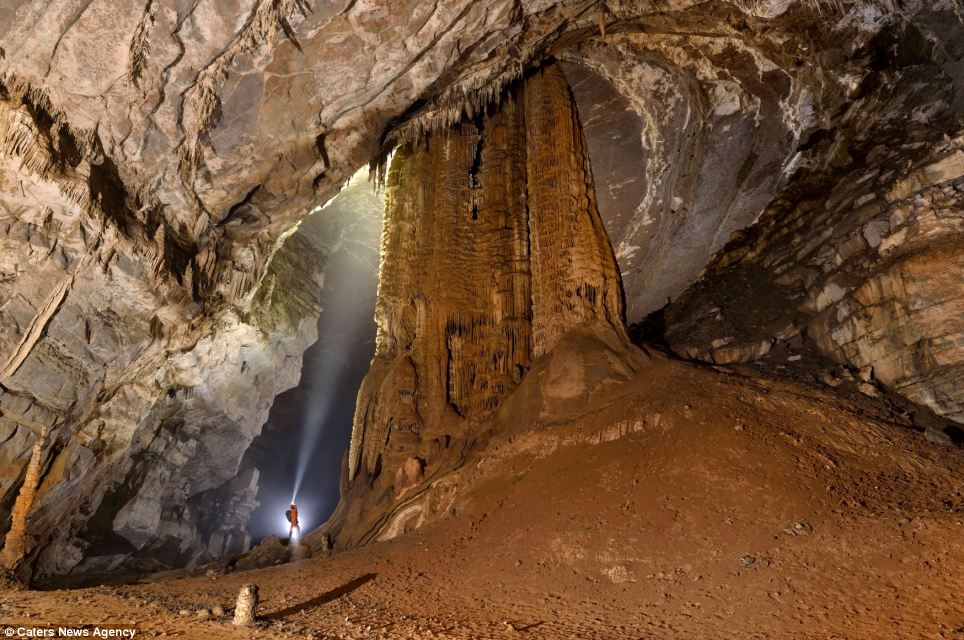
771,189
298,454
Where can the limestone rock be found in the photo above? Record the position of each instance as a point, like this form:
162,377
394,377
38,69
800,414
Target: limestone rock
888,300
156,159
246,608
493,250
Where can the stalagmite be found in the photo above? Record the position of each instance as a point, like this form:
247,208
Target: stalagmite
492,250
14,545
246,608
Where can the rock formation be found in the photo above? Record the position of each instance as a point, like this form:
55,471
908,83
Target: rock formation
246,608
156,157
148,422
14,545
868,271
492,250
693,129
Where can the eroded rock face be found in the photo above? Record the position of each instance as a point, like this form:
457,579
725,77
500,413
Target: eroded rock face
153,156
492,250
846,258
148,405
696,123
870,274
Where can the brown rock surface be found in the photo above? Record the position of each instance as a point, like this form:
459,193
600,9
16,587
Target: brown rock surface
155,155
493,250
871,275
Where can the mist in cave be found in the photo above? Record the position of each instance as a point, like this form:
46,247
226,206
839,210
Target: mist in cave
655,330
300,450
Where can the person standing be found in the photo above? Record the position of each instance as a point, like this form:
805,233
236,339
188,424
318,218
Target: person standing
294,531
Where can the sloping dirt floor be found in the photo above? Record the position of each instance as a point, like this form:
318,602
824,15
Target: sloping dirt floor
693,503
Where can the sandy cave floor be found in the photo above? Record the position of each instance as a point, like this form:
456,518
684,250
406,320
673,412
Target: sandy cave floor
737,507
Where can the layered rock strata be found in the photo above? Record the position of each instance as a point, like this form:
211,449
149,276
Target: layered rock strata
493,249
154,154
868,271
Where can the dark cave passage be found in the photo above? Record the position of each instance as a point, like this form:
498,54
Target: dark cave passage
655,328
309,426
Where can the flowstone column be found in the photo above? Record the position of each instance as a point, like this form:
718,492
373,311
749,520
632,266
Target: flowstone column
575,278
492,249
452,311
14,545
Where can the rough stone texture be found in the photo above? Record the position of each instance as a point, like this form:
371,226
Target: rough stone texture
493,250
14,545
870,274
695,125
153,155
246,608
229,510
146,414
574,277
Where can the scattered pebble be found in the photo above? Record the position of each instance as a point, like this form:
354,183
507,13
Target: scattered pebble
748,561
799,529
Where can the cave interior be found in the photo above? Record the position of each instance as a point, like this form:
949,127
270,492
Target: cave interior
648,316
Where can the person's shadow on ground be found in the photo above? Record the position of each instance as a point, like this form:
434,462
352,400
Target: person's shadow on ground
324,598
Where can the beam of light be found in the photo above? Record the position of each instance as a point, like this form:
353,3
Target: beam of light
312,424
325,382
342,325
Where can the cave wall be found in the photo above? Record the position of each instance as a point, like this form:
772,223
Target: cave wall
153,155
869,272
694,128
858,255
493,250
147,406
699,152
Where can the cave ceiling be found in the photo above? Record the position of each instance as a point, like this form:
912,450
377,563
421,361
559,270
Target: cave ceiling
156,159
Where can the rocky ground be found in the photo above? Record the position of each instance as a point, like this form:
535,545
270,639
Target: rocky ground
155,154
688,502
